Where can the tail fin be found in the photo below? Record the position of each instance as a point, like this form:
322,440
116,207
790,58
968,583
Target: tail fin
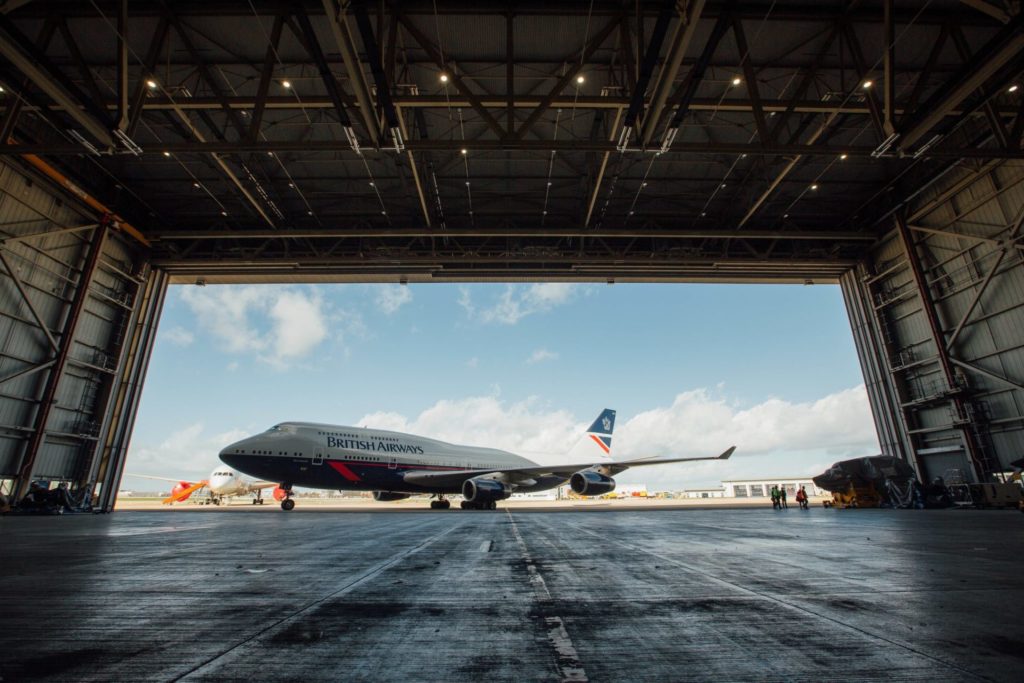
596,444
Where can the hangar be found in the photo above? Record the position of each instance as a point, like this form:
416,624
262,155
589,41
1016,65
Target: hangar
876,145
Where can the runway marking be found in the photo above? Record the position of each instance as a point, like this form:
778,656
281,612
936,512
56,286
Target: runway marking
781,602
569,665
153,530
485,547
355,583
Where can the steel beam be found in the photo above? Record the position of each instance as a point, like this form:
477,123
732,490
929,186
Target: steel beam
998,52
28,59
265,74
670,69
650,60
28,302
975,300
26,470
346,46
588,49
686,91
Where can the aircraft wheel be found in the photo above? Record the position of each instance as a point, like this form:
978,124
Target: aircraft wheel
492,505
287,504
434,505
464,505
445,504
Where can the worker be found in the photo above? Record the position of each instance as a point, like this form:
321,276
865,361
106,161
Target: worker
782,497
801,498
776,501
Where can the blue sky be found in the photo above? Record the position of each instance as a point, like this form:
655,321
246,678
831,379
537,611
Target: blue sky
691,370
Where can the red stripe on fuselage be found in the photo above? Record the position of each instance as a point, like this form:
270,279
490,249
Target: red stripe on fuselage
344,471
600,443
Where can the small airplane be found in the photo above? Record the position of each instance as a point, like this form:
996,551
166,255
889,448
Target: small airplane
222,483
395,465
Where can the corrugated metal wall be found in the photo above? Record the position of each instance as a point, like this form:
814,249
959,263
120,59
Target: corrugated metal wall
958,399
65,270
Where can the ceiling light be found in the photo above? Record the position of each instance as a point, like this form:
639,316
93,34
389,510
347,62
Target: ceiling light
167,154
286,84
842,156
151,84
814,186
195,185
1013,88
743,156
444,78
723,184
736,80
1,88
223,213
631,213
580,79
785,215
465,151
291,184
643,184
373,184
703,213
310,213
867,84
383,213
270,154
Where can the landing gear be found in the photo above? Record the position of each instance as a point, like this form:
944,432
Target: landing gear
479,505
440,504
258,500
287,504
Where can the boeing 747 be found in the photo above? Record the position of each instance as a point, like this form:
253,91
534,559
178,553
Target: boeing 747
395,465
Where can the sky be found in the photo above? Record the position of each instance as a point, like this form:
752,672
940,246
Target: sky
691,369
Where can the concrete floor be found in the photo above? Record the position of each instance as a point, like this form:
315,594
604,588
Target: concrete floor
661,595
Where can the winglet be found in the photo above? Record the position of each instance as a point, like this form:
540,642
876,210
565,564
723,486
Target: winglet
725,456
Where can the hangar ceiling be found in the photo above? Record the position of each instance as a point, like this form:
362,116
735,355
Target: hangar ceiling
318,140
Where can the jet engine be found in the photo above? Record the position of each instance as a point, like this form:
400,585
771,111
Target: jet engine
279,494
484,490
591,483
179,488
387,496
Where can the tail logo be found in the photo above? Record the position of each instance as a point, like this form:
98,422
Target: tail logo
607,424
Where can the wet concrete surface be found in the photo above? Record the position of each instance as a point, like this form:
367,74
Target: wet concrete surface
661,595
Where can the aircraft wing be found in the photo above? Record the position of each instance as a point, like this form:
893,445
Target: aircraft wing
150,476
520,474
263,485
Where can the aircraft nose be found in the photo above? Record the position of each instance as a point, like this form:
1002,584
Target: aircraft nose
228,454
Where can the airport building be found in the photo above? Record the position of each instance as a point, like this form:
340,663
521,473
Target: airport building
756,488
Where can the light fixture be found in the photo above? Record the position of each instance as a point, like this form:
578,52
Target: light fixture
373,184
580,79
383,213
743,156
723,185
736,80
310,213
270,154
785,215
703,213
223,213
444,77
465,151
549,183
631,212
167,154
867,84
1012,88
814,186
151,84
195,185
1,88
291,184
643,184
843,156
286,84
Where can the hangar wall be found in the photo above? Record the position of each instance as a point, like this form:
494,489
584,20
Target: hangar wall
77,312
937,310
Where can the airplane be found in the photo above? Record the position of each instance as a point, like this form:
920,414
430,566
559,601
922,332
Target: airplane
222,483
395,465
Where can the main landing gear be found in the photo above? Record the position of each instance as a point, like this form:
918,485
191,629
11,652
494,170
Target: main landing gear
441,503
287,503
480,505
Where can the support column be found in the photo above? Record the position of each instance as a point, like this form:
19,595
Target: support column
35,444
971,448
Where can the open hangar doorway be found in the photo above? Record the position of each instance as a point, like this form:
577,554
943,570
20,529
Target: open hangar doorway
676,143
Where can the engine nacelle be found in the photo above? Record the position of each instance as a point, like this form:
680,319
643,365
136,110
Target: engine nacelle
591,483
484,490
387,496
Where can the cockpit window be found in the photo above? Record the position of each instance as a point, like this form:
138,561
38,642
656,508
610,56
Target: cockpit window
275,428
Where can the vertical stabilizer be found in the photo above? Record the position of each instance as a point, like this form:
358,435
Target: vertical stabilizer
596,444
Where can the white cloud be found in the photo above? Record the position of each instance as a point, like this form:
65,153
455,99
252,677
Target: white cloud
392,297
774,437
179,336
473,363
188,453
519,301
541,355
279,324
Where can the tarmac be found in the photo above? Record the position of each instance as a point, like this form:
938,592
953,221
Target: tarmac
514,595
